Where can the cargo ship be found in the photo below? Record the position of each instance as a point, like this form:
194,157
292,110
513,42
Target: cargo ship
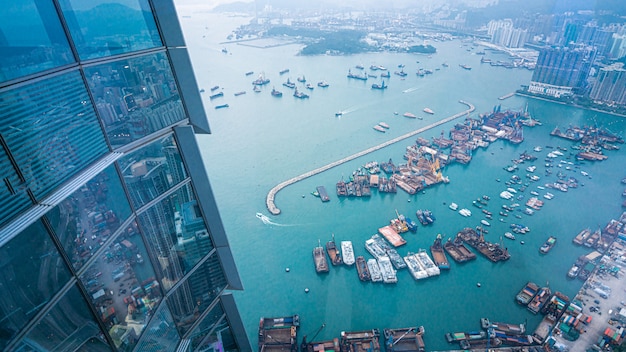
547,246
347,252
512,329
527,293
404,339
321,190
375,273
319,258
360,341
279,334
439,256
333,252
362,269
539,300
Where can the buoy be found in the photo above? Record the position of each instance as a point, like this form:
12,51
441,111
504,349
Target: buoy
408,200
306,290
478,284
522,242
303,196
287,269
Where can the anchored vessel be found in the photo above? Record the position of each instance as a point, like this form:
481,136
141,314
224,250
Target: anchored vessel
375,273
404,339
415,267
347,252
539,300
360,341
362,269
547,246
458,251
386,268
279,334
333,252
319,257
527,293
427,263
439,256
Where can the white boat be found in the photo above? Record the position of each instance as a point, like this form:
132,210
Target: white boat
548,195
534,193
454,206
485,222
509,235
428,111
465,212
506,195
347,252
537,149
387,270
375,273
427,263
415,267
379,128
531,168
511,190
383,125
375,249
259,215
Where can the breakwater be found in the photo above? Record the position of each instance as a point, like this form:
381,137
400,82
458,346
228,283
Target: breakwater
271,195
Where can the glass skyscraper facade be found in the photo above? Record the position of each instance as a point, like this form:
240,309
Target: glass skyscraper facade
110,238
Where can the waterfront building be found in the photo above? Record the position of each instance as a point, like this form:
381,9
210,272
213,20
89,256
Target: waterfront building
110,237
610,85
562,70
503,33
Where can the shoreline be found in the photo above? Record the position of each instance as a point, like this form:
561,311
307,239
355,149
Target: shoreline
571,105
271,195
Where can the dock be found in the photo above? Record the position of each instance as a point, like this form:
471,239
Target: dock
271,195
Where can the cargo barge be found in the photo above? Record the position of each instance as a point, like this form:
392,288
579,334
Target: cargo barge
362,269
458,251
539,300
527,293
319,258
329,345
360,341
279,334
404,339
321,190
333,252
492,251
439,256
511,329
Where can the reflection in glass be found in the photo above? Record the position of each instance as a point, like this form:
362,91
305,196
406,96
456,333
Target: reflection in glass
86,219
32,272
31,39
123,288
176,234
152,170
67,325
189,300
161,334
13,195
135,97
109,27
51,130
213,333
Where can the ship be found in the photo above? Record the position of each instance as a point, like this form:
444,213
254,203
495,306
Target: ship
375,273
385,74
326,346
261,81
415,267
412,225
282,72
240,93
321,190
362,269
379,86
347,252
509,235
393,255
276,93
249,73
216,95
527,293
539,300
387,270
408,114
573,271
322,84
428,111
511,329
383,125
404,339
279,334
222,106
309,86
319,258
427,263
462,336
301,79
374,248
214,88
547,245
300,95
360,341
439,256
355,76
333,252
379,128
425,216
289,84
458,251
466,67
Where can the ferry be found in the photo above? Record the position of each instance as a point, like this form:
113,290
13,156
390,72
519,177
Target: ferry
415,267
333,252
408,114
279,334
386,268
427,263
527,293
319,258
375,273
439,256
428,111
547,246
347,252
362,269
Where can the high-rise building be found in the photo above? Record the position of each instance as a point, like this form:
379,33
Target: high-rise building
610,85
562,70
110,238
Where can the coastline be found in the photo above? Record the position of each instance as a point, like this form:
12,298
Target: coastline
566,104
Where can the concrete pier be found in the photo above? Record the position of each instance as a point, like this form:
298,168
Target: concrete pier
271,195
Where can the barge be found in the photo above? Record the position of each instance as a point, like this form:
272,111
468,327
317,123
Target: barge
404,339
321,190
375,273
319,258
279,334
511,329
527,293
539,300
458,251
333,252
329,345
362,269
439,256
360,341
347,252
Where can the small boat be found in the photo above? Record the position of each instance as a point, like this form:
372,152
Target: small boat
240,93
379,128
214,88
509,235
221,106
408,114
485,222
547,246
383,125
282,72
276,93
453,206
428,111
338,114
249,73
322,84
309,86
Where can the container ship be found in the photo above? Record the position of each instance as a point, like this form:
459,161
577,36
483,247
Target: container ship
319,258
279,334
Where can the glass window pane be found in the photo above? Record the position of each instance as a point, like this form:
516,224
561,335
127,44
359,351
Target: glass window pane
13,196
152,170
32,272
161,334
86,219
196,293
123,289
68,325
31,39
135,97
51,130
176,234
213,333
109,27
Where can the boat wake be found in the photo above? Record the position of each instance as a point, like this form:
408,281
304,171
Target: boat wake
268,221
410,90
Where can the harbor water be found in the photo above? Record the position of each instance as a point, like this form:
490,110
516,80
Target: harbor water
261,140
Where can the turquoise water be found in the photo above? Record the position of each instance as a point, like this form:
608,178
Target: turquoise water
260,141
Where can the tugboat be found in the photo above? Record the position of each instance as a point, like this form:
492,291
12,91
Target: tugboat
333,252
